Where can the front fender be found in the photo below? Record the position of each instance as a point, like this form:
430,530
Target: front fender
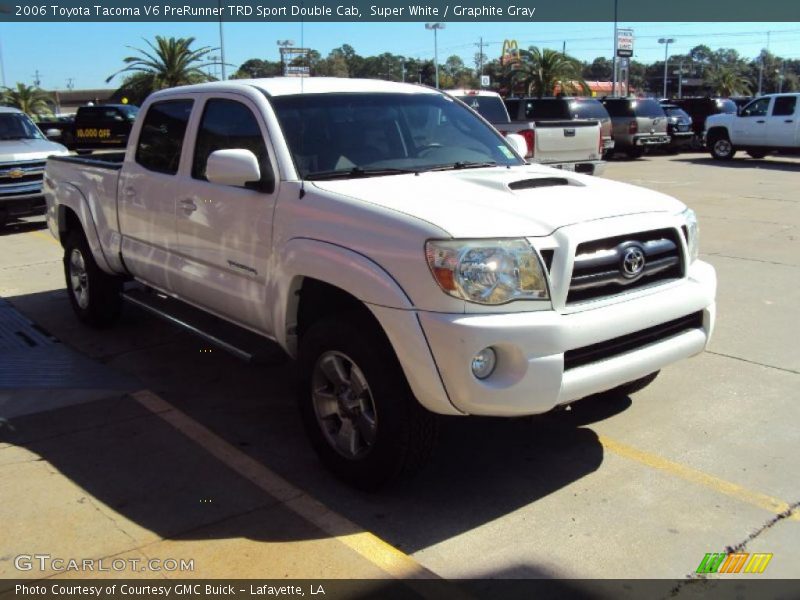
341,267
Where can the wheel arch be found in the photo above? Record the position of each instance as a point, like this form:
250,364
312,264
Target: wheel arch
74,213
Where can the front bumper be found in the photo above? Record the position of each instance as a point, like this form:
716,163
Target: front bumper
650,140
530,376
23,203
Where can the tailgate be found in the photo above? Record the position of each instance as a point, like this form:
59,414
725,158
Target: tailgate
567,141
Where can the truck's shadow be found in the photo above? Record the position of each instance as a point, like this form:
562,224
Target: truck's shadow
135,463
773,163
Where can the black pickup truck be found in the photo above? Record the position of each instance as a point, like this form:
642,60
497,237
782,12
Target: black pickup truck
94,127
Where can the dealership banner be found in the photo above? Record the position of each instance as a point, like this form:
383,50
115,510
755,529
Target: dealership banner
399,11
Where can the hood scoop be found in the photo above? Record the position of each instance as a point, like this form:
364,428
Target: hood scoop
538,182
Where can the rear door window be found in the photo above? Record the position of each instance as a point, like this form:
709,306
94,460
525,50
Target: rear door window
161,138
547,109
618,108
784,106
588,109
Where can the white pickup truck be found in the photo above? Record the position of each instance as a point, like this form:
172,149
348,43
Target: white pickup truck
394,243
572,145
767,124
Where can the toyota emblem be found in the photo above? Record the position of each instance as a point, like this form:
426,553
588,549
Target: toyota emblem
632,262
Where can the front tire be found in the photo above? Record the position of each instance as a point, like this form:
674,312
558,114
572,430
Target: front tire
95,295
357,408
721,148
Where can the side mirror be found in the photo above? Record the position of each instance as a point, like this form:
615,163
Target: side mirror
238,167
518,143
53,133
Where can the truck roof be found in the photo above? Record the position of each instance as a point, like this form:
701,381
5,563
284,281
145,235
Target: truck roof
285,86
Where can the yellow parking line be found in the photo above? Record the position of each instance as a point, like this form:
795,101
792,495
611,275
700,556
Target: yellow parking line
45,236
773,505
381,554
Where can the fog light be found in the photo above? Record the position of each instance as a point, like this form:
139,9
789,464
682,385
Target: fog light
483,363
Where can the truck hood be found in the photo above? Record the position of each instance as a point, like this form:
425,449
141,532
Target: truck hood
21,150
527,201
719,119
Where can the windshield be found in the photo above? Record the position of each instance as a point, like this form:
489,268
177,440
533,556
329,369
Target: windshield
18,126
647,108
355,134
674,111
727,106
547,108
588,109
129,111
490,108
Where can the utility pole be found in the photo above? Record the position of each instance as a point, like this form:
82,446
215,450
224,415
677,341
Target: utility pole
564,48
680,80
70,83
221,42
614,55
782,76
480,57
36,79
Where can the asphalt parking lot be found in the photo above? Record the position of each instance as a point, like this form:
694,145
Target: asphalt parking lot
141,441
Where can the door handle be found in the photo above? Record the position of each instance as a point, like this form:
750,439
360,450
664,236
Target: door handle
129,192
789,121
761,121
188,205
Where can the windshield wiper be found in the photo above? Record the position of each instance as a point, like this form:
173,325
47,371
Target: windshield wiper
357,172
461,164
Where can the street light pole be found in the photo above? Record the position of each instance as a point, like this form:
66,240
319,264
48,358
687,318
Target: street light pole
436,27
614,55
666,42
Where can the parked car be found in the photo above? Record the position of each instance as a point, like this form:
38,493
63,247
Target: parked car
394,243
699,109
94,127
572,146
23,150
638,123
768,124
679,127
564,109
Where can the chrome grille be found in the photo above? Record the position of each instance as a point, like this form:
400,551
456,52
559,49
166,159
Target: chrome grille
13,174
617,265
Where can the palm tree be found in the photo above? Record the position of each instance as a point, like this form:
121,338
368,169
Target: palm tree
726,81
169,62
541,71
28,99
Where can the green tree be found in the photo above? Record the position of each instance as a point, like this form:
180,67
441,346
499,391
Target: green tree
28,99
727,81
169,62
541,70
255,68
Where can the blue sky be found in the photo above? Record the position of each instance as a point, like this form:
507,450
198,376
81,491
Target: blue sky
90,52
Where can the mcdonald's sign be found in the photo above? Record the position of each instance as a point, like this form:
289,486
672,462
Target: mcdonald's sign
510,54
735,562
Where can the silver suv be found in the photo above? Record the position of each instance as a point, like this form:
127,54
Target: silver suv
637,123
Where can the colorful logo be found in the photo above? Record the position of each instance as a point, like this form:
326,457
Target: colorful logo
735,562
510,53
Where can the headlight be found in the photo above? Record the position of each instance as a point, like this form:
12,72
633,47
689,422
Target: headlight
692,231
487,271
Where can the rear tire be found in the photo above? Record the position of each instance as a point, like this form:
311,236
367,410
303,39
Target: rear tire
721,148
357,408
95,295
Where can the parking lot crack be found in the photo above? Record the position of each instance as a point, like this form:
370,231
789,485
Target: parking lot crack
753,362
695,578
